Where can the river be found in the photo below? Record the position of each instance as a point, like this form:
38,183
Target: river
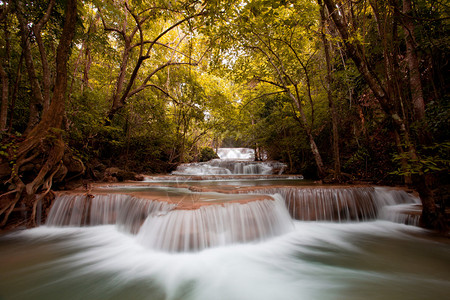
245,233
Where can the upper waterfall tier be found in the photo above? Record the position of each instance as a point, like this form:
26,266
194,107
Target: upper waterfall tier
233,161
236,153
230,167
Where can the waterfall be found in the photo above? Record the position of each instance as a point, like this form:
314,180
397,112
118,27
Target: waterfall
399,206
126,211
167,226
233,161
236,153
224,219
343,204
229,167
215,225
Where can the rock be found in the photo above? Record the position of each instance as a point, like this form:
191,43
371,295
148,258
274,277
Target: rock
110,178
125,175
73,164
139,177
73,184
61,174
115,174
112,171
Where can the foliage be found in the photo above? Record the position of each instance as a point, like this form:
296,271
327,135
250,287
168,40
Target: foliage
241,73
206,154
439,161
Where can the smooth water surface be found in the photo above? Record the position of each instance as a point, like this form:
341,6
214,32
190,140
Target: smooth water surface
370,260
176,238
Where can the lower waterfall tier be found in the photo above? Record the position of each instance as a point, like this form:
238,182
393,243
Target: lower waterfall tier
178,219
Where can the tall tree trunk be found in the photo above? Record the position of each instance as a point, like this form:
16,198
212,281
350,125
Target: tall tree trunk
390,73
46,78
117,102
331,103
5,93
4,76
413,63
37,99
304,123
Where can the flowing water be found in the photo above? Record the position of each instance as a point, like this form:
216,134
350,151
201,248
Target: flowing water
234,238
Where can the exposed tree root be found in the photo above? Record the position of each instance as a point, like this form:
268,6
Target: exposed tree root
47,185
11,204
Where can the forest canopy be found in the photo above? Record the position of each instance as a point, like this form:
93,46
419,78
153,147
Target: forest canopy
341,91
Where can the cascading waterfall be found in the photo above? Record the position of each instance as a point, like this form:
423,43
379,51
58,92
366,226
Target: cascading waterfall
233,161
126,211
339,204
161,225
215,225
221,238
236,153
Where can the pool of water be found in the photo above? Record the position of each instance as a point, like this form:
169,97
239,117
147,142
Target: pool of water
192,238
370,260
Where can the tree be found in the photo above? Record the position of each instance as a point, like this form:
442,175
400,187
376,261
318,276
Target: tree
387,92
285,44
136,28
43,144
328,83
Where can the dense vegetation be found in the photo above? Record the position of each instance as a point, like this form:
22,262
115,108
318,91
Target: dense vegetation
340,90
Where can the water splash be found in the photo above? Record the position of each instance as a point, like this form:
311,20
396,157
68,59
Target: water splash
229,167
342,204
211,220
236,153
233,161
216,225
126,211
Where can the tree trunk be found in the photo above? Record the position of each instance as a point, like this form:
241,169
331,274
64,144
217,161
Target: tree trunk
328,79
117,102
44,144
317,157
5,94
304,123
413,63
431,217
37,99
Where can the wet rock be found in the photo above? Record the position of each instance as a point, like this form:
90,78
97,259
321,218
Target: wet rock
115,174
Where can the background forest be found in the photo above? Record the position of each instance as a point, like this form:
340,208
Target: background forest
338,90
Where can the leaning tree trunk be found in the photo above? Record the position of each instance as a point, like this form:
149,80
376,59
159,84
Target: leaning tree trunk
43,147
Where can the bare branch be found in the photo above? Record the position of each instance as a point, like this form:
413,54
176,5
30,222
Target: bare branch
144,83
170,28
271,82
142,87
107,28
261,96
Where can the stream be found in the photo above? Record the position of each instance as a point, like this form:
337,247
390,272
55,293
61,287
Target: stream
227,229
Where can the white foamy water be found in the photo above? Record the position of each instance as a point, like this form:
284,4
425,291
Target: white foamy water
344,204
236,153
372,260
321,243
216,225
233,161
